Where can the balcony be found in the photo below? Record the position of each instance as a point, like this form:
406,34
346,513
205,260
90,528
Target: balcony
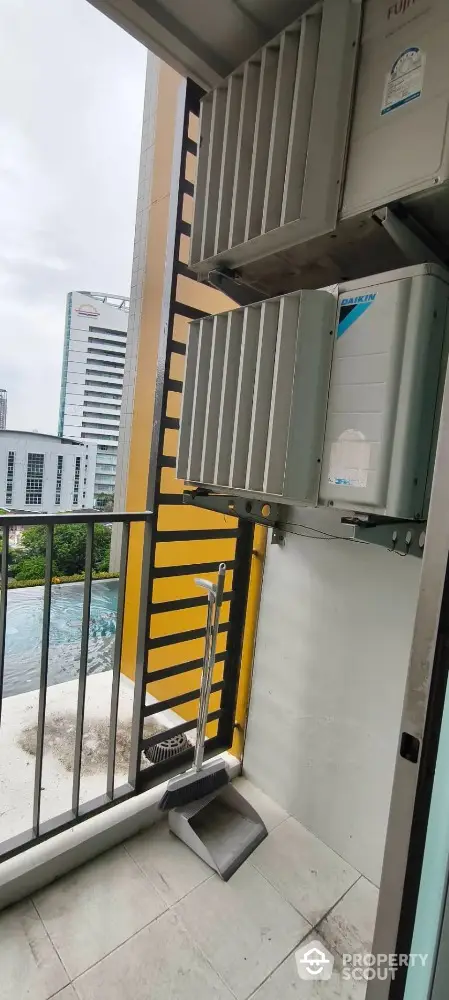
149,919
80,732
98,897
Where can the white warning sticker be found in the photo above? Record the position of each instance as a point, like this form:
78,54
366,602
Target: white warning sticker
404,82
350,460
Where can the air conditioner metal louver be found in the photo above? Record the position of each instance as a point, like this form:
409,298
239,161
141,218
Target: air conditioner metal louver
254,401
273,141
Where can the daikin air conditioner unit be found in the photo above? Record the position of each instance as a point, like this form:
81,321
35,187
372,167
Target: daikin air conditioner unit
321,397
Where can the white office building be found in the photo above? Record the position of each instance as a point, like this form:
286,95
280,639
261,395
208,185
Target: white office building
92,377
44,473
3,408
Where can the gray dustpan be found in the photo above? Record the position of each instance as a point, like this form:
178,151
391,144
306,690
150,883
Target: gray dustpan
222,828
204,810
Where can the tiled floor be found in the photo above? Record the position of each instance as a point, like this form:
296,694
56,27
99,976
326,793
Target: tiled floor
149,920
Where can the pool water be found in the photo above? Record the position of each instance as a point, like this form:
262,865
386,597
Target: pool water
24,631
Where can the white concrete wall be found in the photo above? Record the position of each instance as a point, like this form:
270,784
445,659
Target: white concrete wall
136,298
333,643
138,277
21,444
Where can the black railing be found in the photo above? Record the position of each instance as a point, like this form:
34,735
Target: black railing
147,761
39,829
153,755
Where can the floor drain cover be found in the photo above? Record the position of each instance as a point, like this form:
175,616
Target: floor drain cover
167,748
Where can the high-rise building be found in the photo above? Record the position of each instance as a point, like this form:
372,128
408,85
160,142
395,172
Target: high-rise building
42,472
3,408
92,377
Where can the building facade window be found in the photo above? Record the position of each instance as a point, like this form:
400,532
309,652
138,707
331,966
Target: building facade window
106,385
103,329
100,408
107,343
118,375
35,478
59,480
101,437
76,482
103,395
10,477
99,361
102,427
105,352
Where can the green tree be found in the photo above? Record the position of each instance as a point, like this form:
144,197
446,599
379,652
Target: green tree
32,568
69,550
105,501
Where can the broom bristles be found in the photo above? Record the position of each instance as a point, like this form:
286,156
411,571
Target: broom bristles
194,787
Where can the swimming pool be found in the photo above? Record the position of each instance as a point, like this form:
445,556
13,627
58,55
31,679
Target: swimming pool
24,630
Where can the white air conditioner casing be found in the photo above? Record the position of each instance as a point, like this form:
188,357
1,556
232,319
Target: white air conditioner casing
387,371
321,397
399,139
273,140
255,394
316,132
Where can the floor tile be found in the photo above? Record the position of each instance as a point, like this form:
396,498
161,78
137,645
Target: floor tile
96,908
269,811
285,984
243,926
67,994
349,927
29,965
307,873
160,962
170,865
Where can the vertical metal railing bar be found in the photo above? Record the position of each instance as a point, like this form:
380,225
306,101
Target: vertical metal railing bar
43,829
84,651
141,657
3,607
115,691
156,452
154,499
237,615
43,680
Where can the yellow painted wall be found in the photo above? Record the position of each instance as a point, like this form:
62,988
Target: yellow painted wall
174,517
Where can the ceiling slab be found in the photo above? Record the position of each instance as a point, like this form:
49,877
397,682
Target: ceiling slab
203,39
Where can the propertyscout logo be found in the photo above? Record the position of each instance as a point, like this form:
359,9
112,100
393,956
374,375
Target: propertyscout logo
314,961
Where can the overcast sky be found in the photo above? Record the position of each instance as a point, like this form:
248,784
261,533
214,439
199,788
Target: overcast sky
71,101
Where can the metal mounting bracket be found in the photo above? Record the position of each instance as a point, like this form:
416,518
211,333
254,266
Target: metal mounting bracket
417,245
406,538
278,537
230,284
259,511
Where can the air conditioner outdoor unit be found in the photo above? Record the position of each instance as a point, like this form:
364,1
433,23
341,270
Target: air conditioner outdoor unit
255,390
321,397
399,139
273,138
303,145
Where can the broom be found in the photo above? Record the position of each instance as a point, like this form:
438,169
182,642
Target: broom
202,779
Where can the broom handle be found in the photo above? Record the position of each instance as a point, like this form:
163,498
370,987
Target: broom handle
214,602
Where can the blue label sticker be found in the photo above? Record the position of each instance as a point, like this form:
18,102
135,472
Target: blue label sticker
404,82
352,307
